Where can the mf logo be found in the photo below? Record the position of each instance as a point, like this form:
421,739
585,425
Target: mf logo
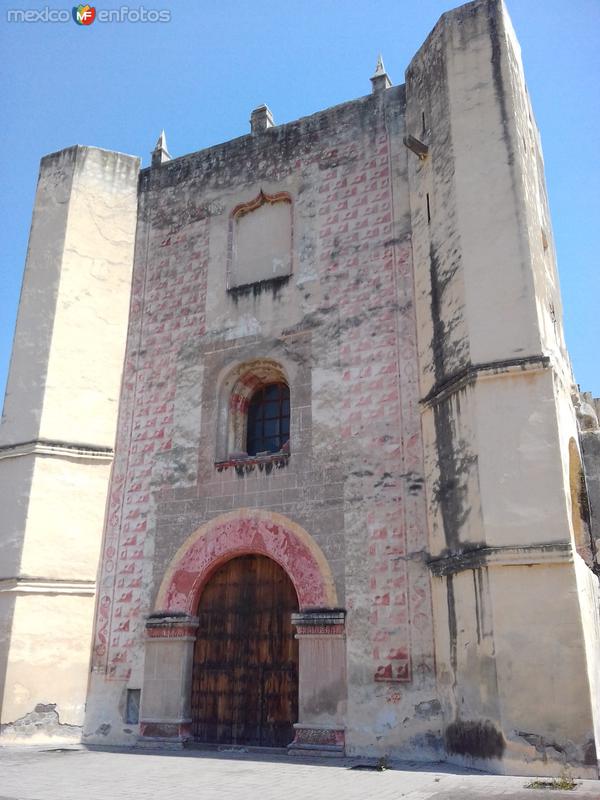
84,15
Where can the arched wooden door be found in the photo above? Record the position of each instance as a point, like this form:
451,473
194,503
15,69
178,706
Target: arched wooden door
245,677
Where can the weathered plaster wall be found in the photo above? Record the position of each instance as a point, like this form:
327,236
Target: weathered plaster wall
55,483
93,300
47,671
497,414
57,435
342,330
533,212
420,334
33,333
572,426
17,476
81,235
588,586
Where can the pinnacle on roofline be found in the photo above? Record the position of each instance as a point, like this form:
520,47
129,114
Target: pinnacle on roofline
380,80
160,154
380,67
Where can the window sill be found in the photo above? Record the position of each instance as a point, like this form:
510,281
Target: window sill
243,464
273,285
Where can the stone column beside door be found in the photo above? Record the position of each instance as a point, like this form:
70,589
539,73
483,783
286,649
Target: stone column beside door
322,682
166,692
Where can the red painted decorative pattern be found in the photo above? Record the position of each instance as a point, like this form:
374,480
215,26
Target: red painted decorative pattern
168,632
367,268
248,463
313,737
365,275
231,536
167,308
320,630
165,730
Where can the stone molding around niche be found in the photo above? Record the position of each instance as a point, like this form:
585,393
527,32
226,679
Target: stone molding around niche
260,243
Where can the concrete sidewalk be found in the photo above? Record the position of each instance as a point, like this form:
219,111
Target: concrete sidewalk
80,774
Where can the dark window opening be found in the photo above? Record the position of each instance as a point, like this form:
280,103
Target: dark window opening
269,419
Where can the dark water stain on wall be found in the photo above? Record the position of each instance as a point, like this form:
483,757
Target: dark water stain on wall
474,738
452,627
273,285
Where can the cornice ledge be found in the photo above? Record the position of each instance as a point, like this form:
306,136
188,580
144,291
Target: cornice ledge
30,585
507,555
473,372
57,448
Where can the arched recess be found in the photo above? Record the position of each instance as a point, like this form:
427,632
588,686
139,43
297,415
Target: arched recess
241,532
235,392
260,241
320,627
580,509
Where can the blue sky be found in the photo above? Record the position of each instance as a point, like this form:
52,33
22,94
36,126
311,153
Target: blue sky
199,76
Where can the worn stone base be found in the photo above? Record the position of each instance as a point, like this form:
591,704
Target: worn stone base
233,749
175,732
160,743
318,741
315,751
40,725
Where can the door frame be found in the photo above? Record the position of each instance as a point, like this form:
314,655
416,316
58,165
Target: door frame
320,628
277,655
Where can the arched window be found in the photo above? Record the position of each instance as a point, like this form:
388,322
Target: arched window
268,427
253,413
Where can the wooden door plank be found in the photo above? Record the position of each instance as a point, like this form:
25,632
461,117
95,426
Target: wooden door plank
245,679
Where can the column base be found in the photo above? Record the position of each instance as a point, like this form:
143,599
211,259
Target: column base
318,740
169,735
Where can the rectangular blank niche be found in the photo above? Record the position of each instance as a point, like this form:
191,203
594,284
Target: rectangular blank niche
261,240
132,712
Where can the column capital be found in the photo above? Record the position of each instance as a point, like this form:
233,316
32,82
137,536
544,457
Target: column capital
321,622
171,626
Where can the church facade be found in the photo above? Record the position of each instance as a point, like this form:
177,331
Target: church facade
348,511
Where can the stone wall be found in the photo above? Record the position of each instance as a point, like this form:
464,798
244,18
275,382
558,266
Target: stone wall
57,435
428,482
513,605
341,330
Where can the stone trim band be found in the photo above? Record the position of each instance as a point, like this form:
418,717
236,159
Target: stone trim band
517,555
469,374
336,616
57,448
29,585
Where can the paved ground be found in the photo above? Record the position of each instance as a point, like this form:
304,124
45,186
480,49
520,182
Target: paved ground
80,774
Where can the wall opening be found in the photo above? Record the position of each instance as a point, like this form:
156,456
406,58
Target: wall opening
236,392
245,674
268,421
132,709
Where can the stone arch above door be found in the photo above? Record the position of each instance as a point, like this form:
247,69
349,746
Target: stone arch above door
240,532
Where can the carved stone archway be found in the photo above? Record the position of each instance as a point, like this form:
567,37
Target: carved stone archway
319,625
